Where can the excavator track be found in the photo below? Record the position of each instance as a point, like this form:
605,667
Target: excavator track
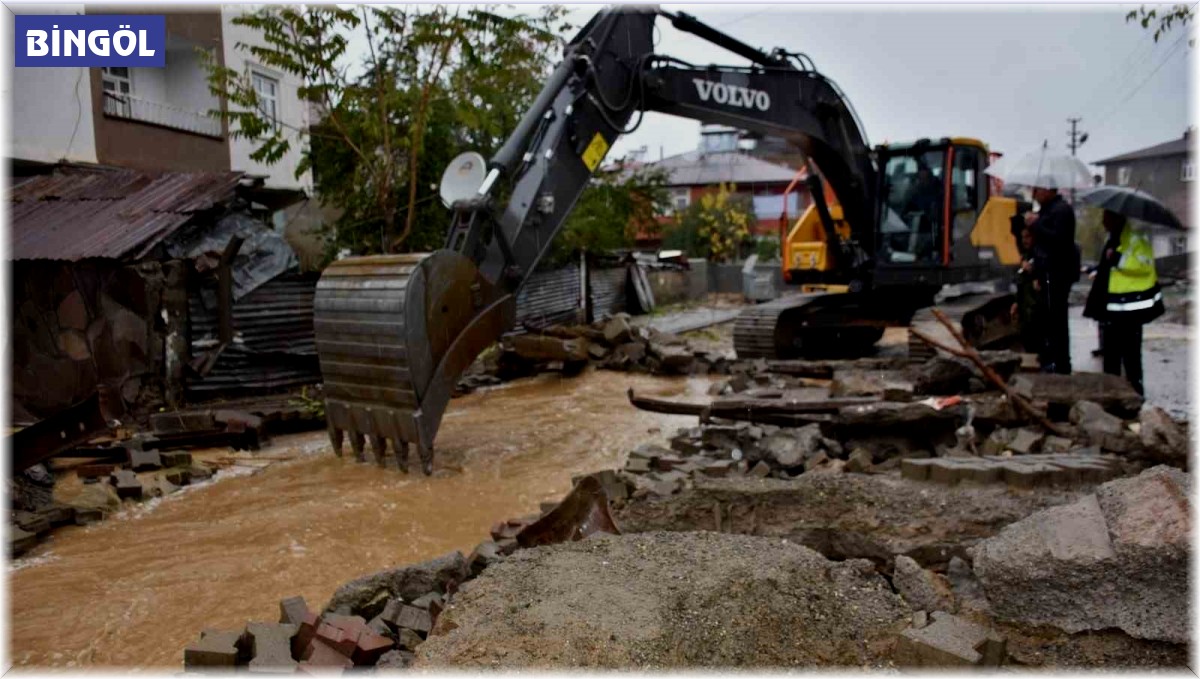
802,325
393,334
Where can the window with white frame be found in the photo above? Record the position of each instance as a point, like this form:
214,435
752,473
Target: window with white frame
1123,174
680,199
116,79
117,85
1188,172
267,89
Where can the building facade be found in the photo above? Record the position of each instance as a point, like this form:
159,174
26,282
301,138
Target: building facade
161,119
1166,171
721,159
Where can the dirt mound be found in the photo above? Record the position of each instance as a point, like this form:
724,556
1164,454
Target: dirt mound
846,515
669,600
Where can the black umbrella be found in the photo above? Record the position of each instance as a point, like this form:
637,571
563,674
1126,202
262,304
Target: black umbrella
1131,203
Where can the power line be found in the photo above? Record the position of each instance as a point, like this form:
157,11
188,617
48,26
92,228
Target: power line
1170,53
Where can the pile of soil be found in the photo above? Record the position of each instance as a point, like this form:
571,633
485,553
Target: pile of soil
669,600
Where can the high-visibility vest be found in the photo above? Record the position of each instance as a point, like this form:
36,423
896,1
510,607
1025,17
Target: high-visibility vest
1133,291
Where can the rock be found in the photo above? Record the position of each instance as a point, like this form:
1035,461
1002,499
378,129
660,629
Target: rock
995,411
922,589
760,470
1118,558
898,416
859,461
31,522
675,359
484,555
942,375
815,460
950,641
100,496
1056,444
854,383
1094,420
408,639
1163,439
20,541
395,660
410,617
968,593
1026,442
1111,392
408,582
542,348
788,448
618,330
598,352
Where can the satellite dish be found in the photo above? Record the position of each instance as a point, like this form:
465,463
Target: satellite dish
463,177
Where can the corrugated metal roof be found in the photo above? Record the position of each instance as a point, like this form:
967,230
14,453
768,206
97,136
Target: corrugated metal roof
695,168
1175,147
77,212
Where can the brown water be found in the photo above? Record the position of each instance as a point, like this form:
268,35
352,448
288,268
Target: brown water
134,591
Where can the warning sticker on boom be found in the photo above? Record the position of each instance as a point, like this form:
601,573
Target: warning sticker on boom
594,153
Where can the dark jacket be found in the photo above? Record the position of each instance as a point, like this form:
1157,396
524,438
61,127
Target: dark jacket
1096,305
1054,231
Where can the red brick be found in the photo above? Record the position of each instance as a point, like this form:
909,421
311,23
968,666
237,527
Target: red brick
341,640
305,635
370,647
323,655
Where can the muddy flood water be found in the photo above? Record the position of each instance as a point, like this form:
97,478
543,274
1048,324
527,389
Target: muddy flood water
133,590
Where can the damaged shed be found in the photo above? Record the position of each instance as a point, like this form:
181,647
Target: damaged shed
117,281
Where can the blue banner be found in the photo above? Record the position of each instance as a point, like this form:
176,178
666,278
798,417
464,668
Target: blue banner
131,40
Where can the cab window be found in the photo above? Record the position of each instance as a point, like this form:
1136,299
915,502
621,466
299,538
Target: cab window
914,194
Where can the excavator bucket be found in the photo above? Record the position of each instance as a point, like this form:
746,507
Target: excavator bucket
394,333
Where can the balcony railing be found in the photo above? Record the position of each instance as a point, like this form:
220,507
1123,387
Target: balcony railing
164,115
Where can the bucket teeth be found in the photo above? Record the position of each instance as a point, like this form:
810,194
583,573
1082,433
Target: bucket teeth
426,459
336,438
402,455
356,444
379,449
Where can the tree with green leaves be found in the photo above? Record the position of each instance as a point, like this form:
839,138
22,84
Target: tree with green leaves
714,227
432,83
1162,21
618,204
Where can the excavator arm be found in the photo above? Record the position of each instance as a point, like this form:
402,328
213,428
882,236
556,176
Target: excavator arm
394,332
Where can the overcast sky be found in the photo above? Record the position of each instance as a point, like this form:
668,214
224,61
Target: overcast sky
1009,75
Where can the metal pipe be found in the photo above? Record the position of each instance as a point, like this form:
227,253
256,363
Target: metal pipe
690,24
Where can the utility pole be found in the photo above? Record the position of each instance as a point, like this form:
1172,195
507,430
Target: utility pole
1077,140
1077,137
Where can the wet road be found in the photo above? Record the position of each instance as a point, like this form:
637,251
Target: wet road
133,591
1165,361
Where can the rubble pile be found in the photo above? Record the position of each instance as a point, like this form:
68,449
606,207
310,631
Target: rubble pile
377,620
145,474
612,344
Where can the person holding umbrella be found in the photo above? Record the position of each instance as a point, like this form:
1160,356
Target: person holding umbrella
1053,228
1125,294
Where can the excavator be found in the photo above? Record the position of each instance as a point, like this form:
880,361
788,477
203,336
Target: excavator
395,332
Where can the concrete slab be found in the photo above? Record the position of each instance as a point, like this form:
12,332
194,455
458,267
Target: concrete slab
950,641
